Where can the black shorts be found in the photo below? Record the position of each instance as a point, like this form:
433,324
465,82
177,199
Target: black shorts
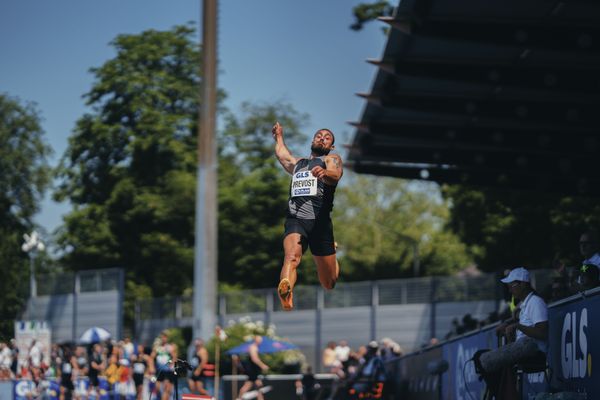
165,376
138,379
67,384
316,234
93,379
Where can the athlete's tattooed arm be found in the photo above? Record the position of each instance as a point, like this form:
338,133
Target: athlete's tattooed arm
333,173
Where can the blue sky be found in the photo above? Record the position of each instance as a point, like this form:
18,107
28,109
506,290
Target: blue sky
302,52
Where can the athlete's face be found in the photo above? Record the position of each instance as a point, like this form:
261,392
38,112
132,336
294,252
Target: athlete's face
322,143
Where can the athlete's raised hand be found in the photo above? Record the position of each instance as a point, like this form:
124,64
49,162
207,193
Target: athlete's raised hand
277,131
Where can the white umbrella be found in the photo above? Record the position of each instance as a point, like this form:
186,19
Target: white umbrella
94,335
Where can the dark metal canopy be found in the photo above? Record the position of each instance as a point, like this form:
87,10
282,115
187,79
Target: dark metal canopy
501,93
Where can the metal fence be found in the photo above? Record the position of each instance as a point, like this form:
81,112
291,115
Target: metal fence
97,280
351,294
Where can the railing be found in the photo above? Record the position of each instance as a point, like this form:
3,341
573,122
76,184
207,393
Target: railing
97,280
351,294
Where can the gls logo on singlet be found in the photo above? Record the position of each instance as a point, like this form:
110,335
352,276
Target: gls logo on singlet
303,184
574,357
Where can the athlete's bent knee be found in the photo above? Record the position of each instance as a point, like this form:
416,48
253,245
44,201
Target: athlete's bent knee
292,259
328,283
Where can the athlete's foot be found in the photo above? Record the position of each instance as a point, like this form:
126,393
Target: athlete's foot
284,290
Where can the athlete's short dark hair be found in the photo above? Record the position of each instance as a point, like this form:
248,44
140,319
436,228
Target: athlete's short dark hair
329,131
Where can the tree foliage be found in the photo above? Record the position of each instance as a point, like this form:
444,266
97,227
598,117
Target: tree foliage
380,222
366,12
129,169
507,228
23,178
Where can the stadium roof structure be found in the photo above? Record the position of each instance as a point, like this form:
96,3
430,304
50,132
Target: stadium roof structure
497,93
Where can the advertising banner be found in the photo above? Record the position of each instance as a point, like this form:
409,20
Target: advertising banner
417,381
30,334
461,382
572,344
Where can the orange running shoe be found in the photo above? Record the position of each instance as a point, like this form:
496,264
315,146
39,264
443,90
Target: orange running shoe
284,290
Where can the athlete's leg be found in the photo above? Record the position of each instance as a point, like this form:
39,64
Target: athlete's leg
245,387
259,385
328,270
292,247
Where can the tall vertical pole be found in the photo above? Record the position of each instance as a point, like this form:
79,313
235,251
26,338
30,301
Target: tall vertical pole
32,281
205,257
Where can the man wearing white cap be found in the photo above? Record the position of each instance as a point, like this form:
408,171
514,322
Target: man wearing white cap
531,329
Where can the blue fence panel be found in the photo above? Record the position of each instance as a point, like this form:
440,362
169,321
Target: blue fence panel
461,380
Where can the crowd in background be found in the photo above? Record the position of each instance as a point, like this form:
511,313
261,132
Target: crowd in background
361,371
124,365
565,281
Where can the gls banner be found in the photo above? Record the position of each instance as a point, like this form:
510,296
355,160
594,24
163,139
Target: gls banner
574,344
461,382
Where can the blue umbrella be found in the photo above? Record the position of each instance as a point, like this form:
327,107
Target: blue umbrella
94,335
267,345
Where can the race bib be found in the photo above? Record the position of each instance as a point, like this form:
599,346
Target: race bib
139,368
66,368
304,184
162,359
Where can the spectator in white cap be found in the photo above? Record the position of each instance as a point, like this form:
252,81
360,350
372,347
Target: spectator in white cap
529,332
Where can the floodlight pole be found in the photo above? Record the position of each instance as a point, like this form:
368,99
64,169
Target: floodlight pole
31,245
205,254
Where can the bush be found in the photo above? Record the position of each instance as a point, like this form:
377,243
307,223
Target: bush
244,330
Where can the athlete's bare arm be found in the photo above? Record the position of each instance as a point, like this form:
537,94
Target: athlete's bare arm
286,159
333,171
253,353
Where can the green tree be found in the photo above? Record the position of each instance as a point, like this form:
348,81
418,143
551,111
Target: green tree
23,178
129,169
366,12
505,228
378,221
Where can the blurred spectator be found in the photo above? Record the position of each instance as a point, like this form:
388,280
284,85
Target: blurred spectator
128,348
35,354
141,362
198,362
468,323
330,363
355,360
387,347
113,371
369,380
15,356
342,353
163,354
67,366
124,385
558,289
82,361
589,247
307,387
97,365
397,350
587,278
5,361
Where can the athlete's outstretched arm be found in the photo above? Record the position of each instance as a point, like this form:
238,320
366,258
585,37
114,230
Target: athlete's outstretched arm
286,159
333,171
